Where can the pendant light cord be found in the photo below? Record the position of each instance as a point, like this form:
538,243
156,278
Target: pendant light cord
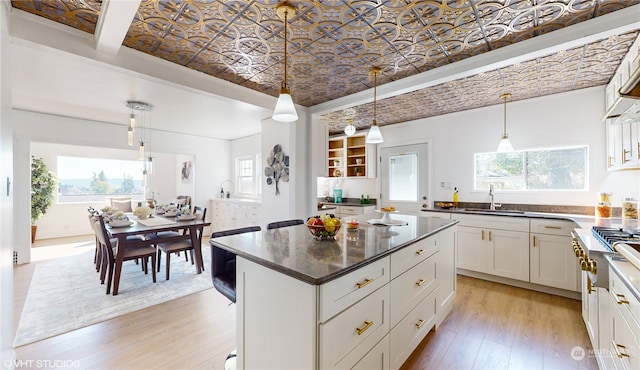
286,13
505,116
375,85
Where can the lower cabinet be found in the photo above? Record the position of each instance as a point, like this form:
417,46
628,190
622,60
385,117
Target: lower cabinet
346,211
231,214
553,263
624,325
372,318
484,248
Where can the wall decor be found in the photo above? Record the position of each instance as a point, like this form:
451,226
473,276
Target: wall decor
277,167
186,172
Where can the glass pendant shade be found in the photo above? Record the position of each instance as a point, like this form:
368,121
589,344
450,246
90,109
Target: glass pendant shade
130,136
505,144
350,129
141,151
285,110
374,136
150,165
132,121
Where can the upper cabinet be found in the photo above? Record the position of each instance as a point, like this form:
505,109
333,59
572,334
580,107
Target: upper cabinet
623,140
350,156
615,105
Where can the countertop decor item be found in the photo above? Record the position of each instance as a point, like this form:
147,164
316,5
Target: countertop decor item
277,167
324,227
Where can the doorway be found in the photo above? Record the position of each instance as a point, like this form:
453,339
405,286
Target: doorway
404,177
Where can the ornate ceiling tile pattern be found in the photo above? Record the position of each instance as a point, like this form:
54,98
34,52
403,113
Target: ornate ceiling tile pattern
333,44
583,67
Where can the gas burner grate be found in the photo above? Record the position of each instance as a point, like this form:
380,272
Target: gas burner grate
607,236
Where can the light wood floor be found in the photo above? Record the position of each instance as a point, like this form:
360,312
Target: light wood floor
492,326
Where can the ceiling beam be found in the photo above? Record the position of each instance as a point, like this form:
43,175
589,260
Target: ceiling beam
113,24
602,27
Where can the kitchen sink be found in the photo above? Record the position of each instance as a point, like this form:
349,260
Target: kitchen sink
492,211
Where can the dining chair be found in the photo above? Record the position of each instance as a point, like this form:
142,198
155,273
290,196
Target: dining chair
111,247
223,263
123,204
279,224
185,245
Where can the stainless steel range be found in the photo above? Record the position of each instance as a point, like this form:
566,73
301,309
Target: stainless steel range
591,247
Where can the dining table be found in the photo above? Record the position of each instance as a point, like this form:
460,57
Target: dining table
156,224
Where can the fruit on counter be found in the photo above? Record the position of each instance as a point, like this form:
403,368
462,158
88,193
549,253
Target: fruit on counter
388,209
445,205
324,226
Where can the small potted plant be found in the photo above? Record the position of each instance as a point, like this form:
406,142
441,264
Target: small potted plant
43,186
358,171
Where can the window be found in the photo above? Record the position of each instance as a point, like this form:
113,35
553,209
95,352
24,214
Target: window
544,169
245,176
98,179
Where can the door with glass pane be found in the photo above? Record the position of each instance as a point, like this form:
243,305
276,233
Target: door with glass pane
404,177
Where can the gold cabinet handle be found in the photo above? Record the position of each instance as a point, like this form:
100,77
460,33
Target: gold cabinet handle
534,241
489,235
638,151
624,156
420,323
620,299
482,234
364,283
616,347
367,325
419,252
420,282
552,227
610,161
589,286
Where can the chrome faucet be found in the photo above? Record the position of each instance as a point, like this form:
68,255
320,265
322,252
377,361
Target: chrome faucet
493,204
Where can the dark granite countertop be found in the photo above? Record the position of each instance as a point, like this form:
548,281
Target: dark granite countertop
294,252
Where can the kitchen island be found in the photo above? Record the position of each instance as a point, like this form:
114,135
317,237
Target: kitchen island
365,300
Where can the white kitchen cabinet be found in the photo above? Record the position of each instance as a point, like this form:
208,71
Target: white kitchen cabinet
346,211
624,324
590,309
233,213
494,245
614,103
623,142
552,259
371,318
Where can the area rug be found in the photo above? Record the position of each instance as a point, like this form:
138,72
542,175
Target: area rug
65,294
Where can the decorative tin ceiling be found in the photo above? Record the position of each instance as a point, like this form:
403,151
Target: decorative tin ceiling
333,44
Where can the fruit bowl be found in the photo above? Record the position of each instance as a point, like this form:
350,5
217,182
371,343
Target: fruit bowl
324,227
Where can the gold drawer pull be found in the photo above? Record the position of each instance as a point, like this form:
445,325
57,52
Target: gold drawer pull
420,282
420,323
489,235
534,241
618,353
552,227
367,325
482,235
620,299
419,252
364,283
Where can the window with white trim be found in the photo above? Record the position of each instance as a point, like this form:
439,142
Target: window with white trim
533,170
246,178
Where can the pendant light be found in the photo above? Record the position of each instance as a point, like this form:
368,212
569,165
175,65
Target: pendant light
285,111
374,136
350,129
142,107
505,144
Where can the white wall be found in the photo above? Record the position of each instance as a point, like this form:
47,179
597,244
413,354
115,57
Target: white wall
566,119
211,158
6,197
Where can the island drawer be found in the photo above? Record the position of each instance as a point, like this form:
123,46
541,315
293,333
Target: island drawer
410,288
349,336
338,294
406,336
412,255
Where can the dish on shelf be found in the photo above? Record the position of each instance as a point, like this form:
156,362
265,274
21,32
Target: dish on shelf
120,223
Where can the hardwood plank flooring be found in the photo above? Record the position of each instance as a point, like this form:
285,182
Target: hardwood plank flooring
492,326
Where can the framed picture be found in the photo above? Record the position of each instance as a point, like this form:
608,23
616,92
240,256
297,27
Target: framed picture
186,172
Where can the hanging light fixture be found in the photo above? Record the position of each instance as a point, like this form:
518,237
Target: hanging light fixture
350,129
505,144
285,111
150,165
374,136
135,105
130,136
